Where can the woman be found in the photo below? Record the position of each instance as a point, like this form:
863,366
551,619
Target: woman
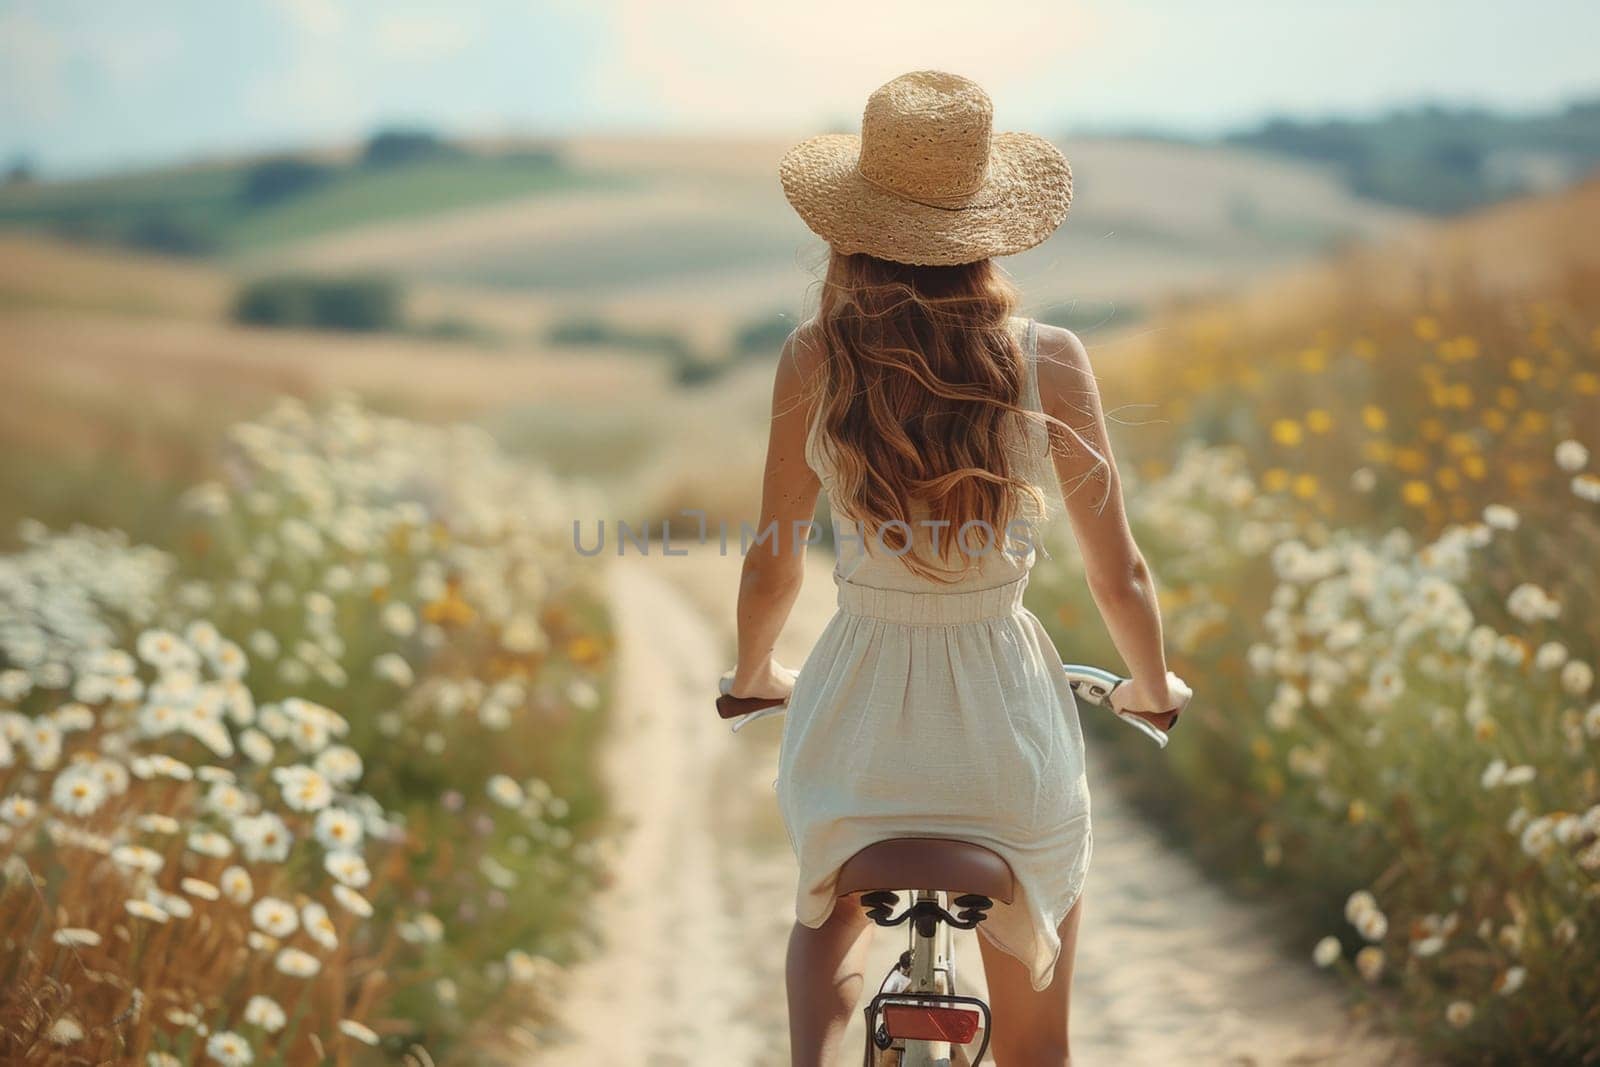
934,703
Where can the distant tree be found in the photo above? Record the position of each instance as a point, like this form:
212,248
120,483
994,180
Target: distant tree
1587,108
170,235
275,180
20,171
358,304
396,146
544,155
763,336
1459,157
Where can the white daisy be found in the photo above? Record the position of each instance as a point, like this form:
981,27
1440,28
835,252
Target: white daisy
340,764
319,925
143,909
210,843
236,885
75,935
263,838
137,858
337,829
303,788
349,868
362,1033
504,791
18,809
275,917
297,963
196,887
351,901
78,792
65,1031
229,1049
266,1013
1572,456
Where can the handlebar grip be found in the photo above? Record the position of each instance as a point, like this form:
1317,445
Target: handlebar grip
731,707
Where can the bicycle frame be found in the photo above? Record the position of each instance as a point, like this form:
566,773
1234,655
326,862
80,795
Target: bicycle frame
931,982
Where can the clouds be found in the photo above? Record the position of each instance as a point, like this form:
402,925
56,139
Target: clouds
89,84
32,58
727,63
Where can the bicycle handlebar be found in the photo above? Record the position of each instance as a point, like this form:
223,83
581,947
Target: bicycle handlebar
1089,684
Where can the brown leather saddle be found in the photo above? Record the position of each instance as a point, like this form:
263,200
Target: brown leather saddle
928,863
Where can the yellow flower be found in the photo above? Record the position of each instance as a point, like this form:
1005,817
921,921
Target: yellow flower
1286,432
1521,369
1305,486
1587,383
1313,360
584,649
1416,493
1495,420
1377,451
1318,421
1374,418
1461,396
1507,397
1275,480
1411,460
1357,812
1448,479
1474,467
1427,328
1461,444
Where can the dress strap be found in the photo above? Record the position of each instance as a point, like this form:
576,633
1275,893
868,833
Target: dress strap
1035,439
1030,360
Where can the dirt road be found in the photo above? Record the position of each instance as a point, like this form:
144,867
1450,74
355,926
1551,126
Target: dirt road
1171,970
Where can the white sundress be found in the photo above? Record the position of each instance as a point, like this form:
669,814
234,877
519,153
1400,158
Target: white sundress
939,709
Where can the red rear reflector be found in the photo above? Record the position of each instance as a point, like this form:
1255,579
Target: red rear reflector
920,1022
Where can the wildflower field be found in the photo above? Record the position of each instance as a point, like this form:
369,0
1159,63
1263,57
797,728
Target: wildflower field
312,783
1376,524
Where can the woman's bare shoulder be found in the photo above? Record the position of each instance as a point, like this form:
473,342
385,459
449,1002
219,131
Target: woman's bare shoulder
804,349
1064,368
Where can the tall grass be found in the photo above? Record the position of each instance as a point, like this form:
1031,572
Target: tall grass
314,779
1378,534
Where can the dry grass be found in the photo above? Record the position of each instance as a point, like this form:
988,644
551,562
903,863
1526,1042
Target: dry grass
38,272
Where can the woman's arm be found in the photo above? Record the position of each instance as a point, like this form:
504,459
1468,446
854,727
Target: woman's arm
773,568
1119,579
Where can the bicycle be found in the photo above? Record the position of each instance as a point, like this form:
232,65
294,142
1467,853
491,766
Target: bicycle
918,1018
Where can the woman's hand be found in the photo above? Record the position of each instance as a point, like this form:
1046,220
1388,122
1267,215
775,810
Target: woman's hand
1158,703
770,680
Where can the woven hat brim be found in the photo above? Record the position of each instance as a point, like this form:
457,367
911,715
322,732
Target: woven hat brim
1023,201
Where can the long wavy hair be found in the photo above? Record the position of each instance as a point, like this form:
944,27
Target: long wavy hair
919,405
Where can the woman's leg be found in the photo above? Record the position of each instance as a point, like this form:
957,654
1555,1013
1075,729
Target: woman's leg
1030,1028
825,978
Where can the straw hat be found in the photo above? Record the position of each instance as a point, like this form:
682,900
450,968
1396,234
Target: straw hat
927,182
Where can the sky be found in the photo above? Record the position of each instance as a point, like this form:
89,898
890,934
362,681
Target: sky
96,85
